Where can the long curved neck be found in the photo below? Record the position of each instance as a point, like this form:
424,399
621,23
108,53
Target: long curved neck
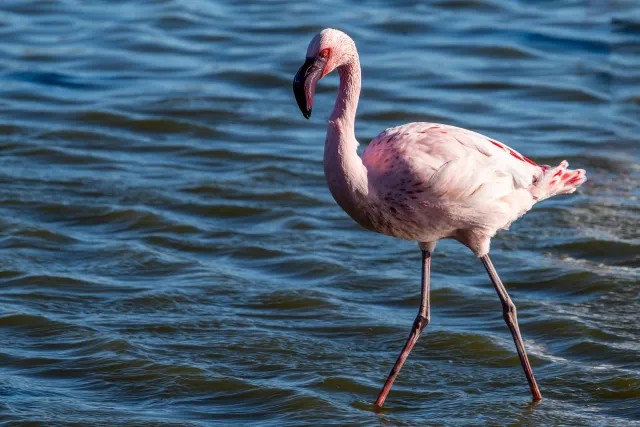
343,168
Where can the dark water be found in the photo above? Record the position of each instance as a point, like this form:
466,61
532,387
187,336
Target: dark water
170,254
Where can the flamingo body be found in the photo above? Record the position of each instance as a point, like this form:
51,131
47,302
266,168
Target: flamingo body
430,181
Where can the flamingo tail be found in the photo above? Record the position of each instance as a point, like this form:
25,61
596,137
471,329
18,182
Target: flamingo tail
558,180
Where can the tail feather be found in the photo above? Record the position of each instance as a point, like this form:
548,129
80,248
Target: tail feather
558,180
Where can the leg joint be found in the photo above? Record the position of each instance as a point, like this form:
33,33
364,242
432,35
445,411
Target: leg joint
509,307
421,322
509,311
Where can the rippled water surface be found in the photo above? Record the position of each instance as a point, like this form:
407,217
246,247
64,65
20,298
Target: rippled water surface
171,256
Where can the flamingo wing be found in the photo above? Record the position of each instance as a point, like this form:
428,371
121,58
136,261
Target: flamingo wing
448,162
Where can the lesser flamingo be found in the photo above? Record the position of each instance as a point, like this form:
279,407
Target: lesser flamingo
424,182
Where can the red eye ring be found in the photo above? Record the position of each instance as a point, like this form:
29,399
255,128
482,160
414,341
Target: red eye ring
324,53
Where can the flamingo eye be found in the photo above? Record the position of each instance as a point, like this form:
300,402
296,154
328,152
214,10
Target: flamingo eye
324,53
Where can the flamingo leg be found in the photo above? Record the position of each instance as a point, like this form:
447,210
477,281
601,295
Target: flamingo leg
509,314
421,322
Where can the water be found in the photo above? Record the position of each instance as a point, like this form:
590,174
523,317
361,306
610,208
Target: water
171,255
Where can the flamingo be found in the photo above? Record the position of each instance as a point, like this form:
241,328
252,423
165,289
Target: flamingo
424,182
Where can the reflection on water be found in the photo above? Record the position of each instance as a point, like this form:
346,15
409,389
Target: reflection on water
171,254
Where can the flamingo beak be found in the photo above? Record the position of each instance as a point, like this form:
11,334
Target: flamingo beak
304,84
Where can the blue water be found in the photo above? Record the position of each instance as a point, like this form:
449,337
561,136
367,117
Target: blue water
171,256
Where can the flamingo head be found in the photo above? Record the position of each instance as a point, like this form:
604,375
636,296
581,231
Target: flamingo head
328,50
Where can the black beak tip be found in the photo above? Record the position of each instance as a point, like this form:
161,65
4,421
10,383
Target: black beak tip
304,84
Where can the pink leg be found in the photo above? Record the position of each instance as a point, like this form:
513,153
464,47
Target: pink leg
509,314
421,322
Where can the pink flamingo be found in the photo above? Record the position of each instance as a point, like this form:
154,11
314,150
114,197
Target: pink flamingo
424,182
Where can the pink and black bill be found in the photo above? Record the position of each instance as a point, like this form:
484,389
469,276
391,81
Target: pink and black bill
304,83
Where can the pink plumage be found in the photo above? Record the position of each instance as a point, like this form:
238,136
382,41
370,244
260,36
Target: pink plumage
425,182
436,181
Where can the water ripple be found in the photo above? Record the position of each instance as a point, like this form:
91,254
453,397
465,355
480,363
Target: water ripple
171,255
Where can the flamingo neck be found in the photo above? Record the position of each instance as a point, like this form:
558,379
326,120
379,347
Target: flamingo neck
349,93
346,175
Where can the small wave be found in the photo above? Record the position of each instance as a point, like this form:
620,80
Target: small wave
146,125
54,79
